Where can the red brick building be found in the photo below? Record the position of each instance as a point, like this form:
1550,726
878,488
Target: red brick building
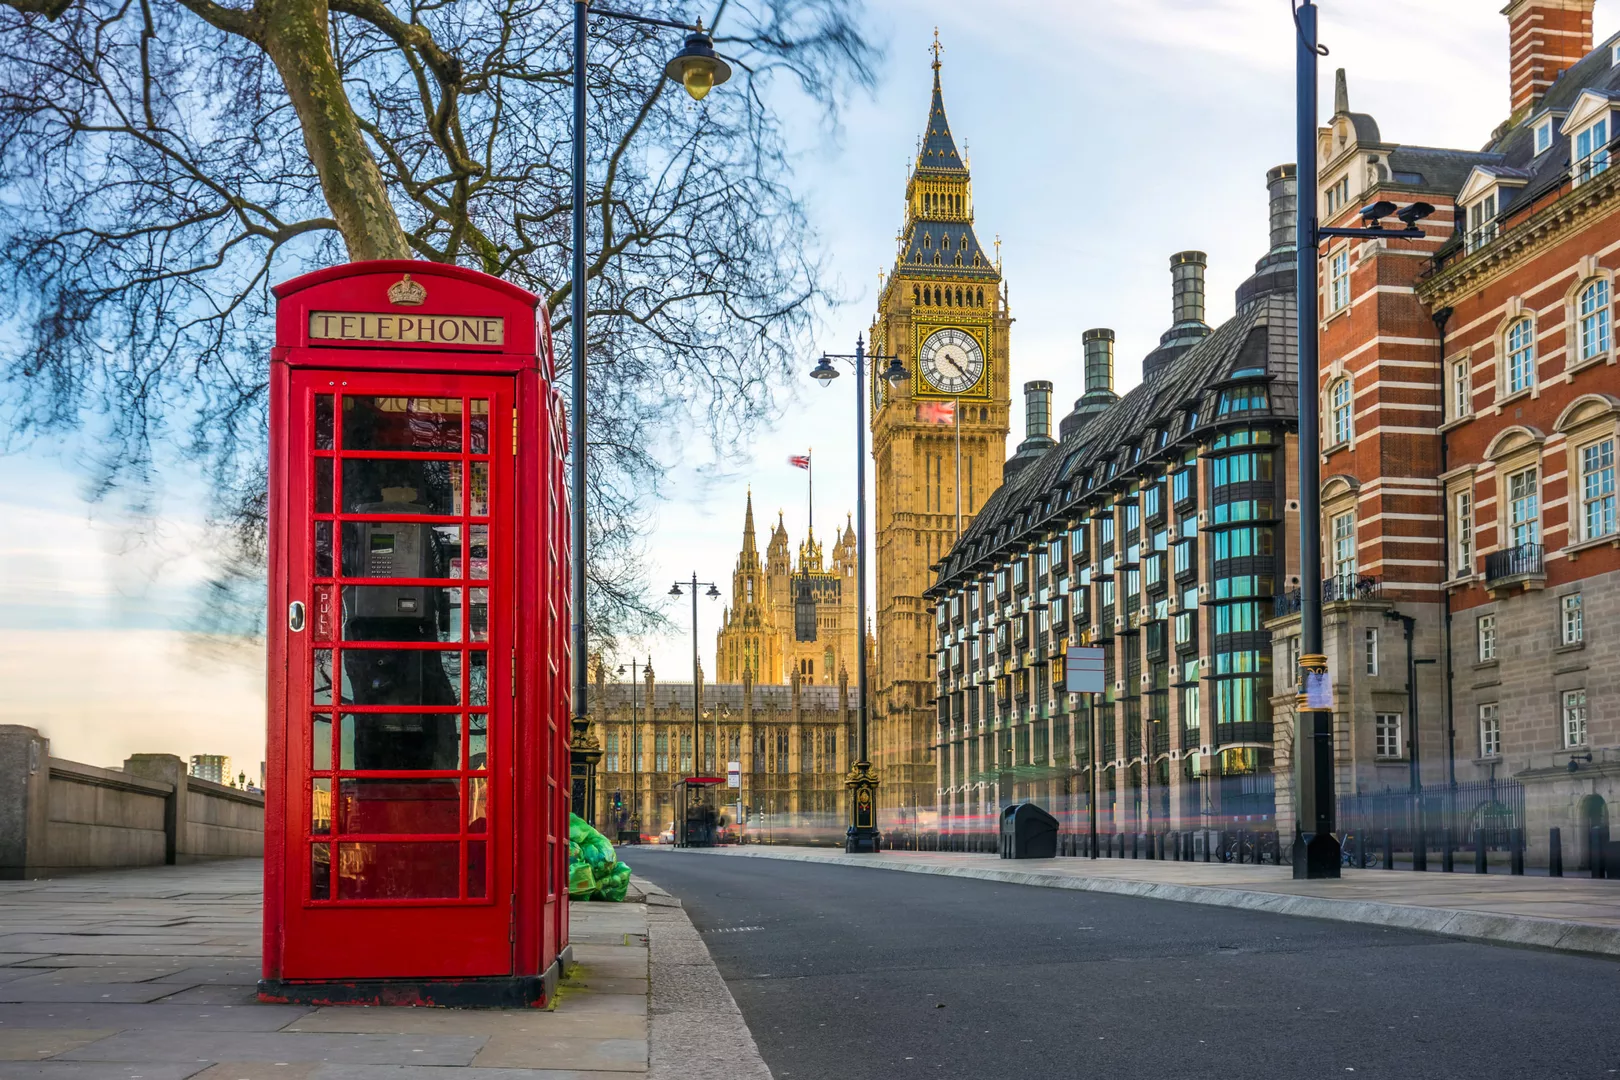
1471,410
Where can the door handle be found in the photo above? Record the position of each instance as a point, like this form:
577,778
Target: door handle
295,616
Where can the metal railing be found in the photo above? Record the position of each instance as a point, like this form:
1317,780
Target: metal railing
1524,560
1495,807
1357,587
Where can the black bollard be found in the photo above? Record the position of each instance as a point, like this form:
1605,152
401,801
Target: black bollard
1448,853
1158,845
1208,838
1420,850
1555,853
1594,851
1481,864
1516,852
1389,850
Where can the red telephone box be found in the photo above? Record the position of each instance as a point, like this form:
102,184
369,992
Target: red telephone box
416,826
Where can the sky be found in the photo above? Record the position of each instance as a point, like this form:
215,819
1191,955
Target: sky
1103,138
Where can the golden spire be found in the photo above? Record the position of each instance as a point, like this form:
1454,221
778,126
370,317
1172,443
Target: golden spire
936,48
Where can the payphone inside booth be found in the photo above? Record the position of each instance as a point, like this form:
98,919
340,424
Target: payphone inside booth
697,811
416,840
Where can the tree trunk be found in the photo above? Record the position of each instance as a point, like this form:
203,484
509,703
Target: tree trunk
295,38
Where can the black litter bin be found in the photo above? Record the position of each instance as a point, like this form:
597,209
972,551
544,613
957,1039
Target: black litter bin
1028,832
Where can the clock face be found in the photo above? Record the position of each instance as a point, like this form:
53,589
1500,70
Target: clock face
951,361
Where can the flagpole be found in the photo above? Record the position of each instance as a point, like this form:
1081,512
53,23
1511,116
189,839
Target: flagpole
810,476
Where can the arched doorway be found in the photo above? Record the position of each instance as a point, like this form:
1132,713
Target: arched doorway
1591,813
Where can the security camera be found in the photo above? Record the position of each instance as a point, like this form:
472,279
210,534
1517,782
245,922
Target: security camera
1415,213
1378,211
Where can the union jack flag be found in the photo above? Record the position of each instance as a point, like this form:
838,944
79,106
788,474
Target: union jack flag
799,461
936,412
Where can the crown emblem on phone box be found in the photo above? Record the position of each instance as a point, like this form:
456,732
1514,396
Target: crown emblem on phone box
407,292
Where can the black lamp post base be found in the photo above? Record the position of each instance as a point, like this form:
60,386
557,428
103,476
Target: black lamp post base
1316,855
861,841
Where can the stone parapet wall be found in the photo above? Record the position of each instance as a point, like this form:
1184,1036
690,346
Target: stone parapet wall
59,816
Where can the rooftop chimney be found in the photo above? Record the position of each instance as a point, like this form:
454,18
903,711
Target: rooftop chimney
1037,428
1099,395
1099,346
1187,304
1037,410
1187,277
1545,38
1275,270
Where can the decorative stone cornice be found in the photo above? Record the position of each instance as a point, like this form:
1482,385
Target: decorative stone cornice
1521,244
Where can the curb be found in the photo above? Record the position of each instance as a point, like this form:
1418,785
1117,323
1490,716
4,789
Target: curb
694,1027
1491,928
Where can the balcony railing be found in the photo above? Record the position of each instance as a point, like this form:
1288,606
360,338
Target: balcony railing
1359,587
1523,561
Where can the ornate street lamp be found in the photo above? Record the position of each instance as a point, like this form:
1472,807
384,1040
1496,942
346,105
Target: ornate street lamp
698,69
862,834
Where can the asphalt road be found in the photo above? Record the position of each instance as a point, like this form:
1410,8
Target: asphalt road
875,975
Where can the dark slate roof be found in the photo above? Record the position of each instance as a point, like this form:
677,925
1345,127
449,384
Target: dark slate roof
1054,486
1436,169
938,152
962,242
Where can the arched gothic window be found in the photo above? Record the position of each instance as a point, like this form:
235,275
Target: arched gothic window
959,295
916,295
981,298
945,242
928,241
947,298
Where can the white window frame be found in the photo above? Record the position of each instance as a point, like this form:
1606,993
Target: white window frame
1490,731
1462,505
1597,490
1573,710
1482,222
1369,646
1592,311
1544,136
1338,280
1341,411
1485,637
1524,507
1519,346
1387,735
1462,389
1589,151
1571,629
1343,530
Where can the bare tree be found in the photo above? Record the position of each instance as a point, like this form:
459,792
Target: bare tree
163,162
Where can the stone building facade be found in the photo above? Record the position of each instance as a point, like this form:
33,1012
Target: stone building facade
793,742
1471,411
1156,526
765,636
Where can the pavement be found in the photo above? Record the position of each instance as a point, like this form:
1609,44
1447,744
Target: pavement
150,975
1579,915
843,973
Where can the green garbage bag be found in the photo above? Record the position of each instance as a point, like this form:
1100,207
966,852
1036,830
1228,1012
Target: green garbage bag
594,871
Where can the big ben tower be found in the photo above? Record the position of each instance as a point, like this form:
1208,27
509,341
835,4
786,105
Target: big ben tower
942,311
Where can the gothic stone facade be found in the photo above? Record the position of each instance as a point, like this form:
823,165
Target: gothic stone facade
793,742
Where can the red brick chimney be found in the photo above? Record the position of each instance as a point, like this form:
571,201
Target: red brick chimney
1545,38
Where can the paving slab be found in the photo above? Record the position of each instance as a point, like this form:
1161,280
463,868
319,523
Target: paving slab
152,973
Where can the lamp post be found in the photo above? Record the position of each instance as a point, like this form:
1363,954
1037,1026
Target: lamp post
697,68
712,594
861,836
635,748
1316,849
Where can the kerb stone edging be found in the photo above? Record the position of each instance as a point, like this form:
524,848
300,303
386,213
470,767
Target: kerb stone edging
1496,929
694,1027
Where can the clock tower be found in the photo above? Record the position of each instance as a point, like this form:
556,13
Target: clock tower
938,444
